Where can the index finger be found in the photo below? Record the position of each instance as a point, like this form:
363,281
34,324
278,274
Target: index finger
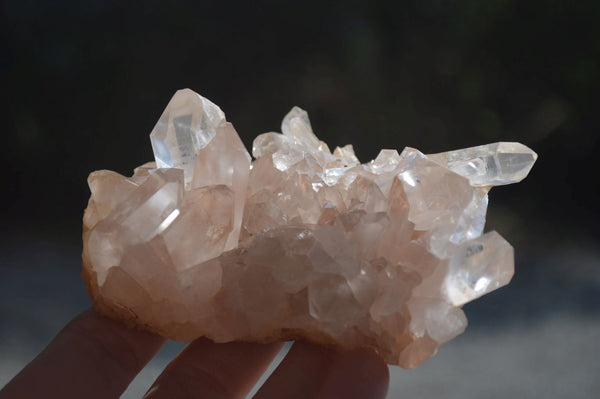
92,357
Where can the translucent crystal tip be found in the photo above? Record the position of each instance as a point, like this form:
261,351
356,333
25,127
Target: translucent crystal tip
188,124
491,164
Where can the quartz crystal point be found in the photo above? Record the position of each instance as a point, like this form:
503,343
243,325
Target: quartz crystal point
489,165
187,125
192,135
302,244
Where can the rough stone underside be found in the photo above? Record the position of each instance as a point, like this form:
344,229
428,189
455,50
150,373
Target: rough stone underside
301,243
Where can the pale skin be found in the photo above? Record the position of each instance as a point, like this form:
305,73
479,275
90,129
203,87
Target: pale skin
96,358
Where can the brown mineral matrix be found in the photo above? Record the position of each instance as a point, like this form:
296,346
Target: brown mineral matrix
301,243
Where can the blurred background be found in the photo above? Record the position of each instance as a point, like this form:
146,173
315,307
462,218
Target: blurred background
85,82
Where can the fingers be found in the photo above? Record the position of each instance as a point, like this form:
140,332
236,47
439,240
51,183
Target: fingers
208,370
300,374
92,357
357,374
310,371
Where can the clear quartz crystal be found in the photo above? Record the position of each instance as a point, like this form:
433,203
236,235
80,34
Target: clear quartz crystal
296,125
186,126
489,165
300,243
478,267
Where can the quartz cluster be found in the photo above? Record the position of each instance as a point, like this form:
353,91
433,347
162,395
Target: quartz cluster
301,243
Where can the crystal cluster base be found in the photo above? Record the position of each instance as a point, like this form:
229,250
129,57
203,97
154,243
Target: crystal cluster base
301,243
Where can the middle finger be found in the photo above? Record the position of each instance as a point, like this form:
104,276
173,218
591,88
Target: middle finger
209,370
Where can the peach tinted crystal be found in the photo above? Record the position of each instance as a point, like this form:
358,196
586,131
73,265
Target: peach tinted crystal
299,243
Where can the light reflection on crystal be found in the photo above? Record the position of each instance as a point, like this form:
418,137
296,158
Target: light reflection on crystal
167,222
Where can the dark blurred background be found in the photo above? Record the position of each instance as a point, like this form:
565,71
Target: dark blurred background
85,82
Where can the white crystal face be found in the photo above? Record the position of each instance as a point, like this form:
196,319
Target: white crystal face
489,165
478,267
300,243
444,204
186,126
296,125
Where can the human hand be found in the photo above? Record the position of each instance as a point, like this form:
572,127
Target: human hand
94,357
